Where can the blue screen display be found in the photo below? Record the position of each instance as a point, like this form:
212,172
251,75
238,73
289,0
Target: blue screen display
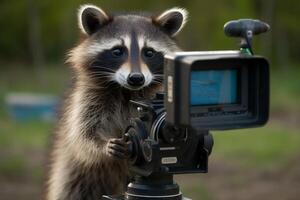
211,87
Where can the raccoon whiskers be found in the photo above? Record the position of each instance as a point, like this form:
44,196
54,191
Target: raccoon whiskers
158,78
90,86
109,84
101,75
156,82
103,69
93,86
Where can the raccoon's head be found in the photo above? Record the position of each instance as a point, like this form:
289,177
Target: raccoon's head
127,50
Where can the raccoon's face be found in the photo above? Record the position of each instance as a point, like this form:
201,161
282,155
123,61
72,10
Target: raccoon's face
127,50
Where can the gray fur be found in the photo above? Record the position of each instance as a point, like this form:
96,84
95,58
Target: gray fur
96,110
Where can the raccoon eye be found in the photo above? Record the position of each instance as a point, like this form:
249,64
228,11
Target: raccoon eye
117,51
149,52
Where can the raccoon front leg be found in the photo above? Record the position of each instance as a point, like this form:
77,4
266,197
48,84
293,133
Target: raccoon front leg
118,148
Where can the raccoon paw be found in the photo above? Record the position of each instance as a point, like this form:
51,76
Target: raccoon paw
118,148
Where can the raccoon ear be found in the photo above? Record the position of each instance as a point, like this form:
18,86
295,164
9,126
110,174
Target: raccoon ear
172,20
91,18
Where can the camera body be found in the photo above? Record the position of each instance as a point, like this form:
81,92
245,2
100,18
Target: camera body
205,91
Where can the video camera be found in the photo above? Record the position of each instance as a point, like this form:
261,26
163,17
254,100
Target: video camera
215,90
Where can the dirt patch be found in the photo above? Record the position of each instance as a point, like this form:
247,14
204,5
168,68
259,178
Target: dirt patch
226,181
23,181
286,119
24,190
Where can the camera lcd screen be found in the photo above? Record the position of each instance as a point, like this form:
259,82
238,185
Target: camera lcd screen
212,87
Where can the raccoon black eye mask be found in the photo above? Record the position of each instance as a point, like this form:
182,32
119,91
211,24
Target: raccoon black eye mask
128,49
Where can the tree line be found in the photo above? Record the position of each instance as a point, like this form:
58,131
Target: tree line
42,31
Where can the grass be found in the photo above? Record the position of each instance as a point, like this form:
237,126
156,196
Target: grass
285,90
32,134
14,166
195,190
272,145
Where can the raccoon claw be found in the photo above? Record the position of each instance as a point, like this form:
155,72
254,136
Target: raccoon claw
118,148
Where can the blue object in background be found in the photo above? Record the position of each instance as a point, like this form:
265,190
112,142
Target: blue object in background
26,106
211,87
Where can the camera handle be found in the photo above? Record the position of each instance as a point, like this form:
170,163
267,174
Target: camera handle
245,29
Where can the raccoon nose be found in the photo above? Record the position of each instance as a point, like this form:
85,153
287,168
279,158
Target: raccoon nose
136,79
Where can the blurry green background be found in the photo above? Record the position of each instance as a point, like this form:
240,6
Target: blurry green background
249,164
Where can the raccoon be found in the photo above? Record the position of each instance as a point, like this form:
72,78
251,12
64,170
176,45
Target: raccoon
120,58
